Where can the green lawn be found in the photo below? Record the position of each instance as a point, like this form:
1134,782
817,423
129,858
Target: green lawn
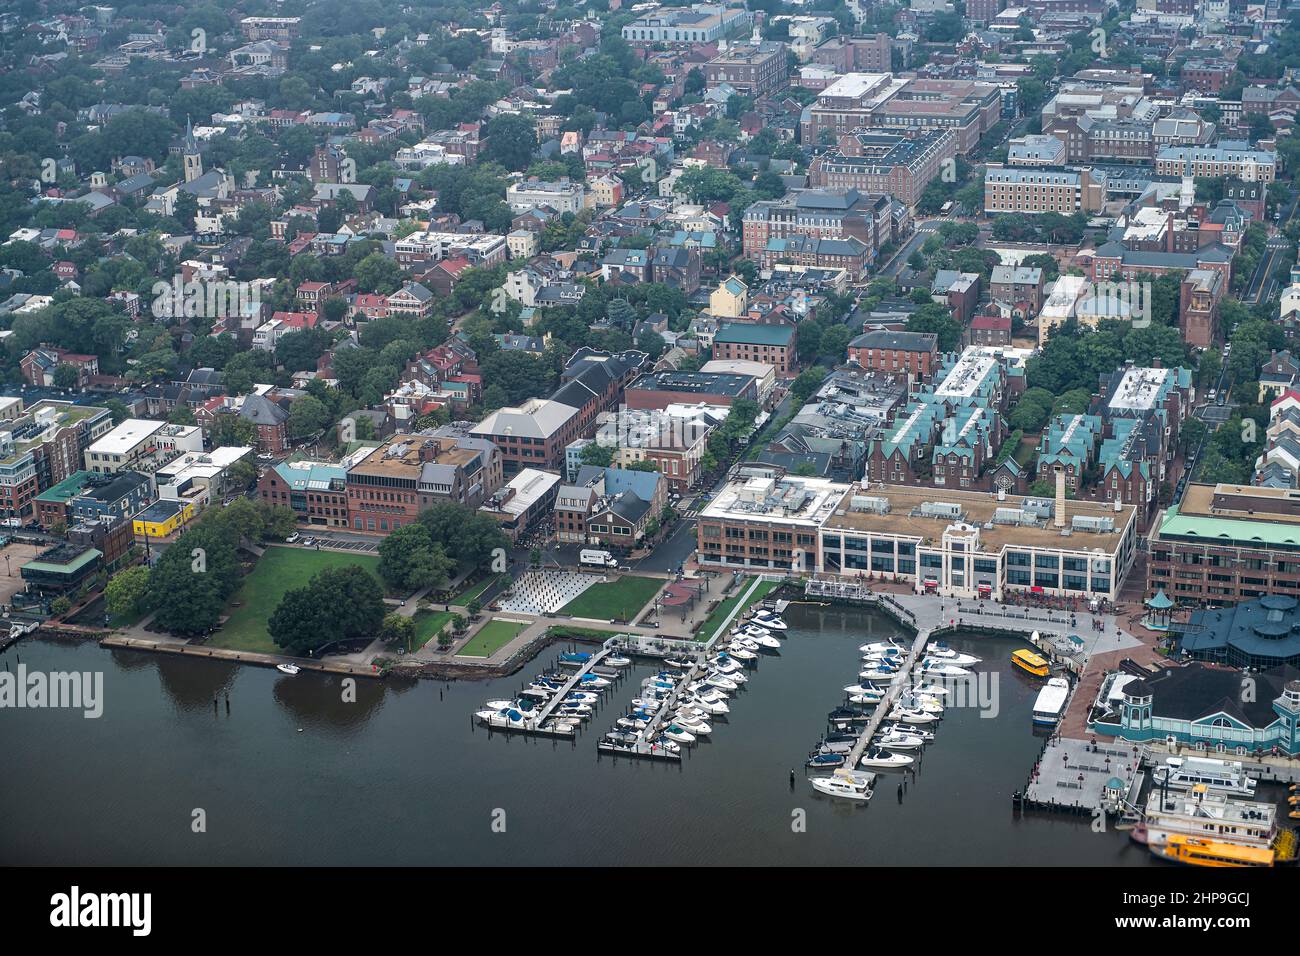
473,591
722,610
277,571
621,599
427,625
494,636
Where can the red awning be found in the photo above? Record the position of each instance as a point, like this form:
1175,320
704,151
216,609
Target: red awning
986,587
931,582
1036,589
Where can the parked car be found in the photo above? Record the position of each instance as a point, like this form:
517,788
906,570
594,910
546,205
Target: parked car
292,538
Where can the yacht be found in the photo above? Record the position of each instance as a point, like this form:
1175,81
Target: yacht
592,680
849,784
931,667
1208,816
663,743
743,653
714,707
574,658
718,680
768,619
617,660
753,631
679,663
693,722
526,707
764,640
865,690
507,717
289,669
907,716
879,757
581,697
927,705
879,674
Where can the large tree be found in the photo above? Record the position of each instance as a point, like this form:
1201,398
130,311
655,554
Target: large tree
337,604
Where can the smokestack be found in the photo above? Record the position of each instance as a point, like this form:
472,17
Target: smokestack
1060,496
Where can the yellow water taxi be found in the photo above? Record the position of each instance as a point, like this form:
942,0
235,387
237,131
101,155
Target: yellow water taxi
1030,662
1194,851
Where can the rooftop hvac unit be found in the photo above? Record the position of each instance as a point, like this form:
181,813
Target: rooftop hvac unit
940,509
870,503
1011,516
1092,523
1039,507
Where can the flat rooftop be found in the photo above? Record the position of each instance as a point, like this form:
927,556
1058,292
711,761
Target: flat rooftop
1139,389
126,436
786,500
977,509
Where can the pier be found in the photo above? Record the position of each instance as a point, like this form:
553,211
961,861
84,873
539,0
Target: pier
901,679
572,682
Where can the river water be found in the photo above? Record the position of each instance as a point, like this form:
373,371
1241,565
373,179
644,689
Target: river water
296,775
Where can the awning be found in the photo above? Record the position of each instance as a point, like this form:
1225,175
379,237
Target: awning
1036,589
931,582
986,588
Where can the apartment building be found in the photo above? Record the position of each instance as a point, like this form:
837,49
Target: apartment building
562,195
700,23
915,354
1227,543
770,344
752,69
1234,158
883,161
141,444
42,447
1015,190
390,486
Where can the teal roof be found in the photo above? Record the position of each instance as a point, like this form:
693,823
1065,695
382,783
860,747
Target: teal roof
66,489
1160,601
752,333
1228,530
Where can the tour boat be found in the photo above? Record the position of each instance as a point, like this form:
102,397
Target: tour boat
289,669
1218,776
1195,851
1030,663
879,757
848,784
1050,702
1208,816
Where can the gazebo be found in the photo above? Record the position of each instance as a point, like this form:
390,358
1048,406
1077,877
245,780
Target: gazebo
1159,611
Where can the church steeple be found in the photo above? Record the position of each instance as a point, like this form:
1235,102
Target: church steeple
191,159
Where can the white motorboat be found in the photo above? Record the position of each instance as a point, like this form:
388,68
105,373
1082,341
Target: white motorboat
908,716
925,704
872,698
926,736
582,697
663,743
289,669
849,784
946,653
701,685
929,690
719,681
712,707
878,675
900,741
764,640
882,647
694,723
678,663
768,619
865,690
879,757
506,717
617,660
648,704
679,733
752,631
633,723
734,673
930,667
593,680
743,653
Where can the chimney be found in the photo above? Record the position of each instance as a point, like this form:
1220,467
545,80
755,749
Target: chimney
1059,519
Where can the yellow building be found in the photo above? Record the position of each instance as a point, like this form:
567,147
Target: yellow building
730,300
162,519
